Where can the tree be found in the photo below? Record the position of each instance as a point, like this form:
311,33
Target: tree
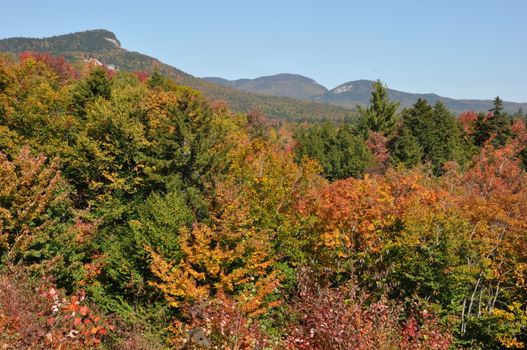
437,132
381,116
105,166
157,226
496,125
405,149
339,150
32,200
348,217
96,84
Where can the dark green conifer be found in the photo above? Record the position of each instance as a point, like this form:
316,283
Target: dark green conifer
96,84
381,116
405,149
496,125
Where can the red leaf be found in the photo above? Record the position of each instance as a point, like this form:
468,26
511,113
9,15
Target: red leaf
84,310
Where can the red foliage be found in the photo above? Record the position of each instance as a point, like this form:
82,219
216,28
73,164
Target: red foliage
520,131
377,143
467,120
219,323
497,169
340,318
141,75
41,317
258,119
57,63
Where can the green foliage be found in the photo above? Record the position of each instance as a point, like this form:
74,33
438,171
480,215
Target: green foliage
381,116
437,132
156,198
341,152
434,259
156,225
95,85
495,126
405,149
160,219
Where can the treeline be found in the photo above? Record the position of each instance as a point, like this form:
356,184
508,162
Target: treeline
135,214
422,134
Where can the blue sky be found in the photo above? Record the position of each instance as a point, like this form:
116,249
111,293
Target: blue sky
460,49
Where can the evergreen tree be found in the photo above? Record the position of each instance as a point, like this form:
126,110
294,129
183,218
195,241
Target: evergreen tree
340,151
497,124
482,130
497,107
405,149
437,132
353,157
520,114
96,84
446,141
381,115
500,123
319,143
156,79
417,120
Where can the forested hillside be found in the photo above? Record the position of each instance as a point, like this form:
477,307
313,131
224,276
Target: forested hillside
103,46
350,94
136,214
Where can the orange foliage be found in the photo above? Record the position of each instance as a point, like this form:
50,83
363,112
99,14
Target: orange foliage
216,259
354,216
467,121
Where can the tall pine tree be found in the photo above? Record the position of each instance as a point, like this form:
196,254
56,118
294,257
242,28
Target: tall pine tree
496,125
381,116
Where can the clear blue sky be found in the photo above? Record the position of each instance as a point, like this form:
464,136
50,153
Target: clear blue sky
456,48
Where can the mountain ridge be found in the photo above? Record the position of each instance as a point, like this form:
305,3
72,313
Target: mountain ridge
283,96
93,44
96,40
282,84
355,92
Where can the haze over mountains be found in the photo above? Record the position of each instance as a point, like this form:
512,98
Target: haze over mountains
282,96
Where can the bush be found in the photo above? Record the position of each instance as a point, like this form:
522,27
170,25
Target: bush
343,318
39,316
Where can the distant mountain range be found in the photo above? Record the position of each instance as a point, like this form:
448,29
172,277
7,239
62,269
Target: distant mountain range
348,94
282,96
289,85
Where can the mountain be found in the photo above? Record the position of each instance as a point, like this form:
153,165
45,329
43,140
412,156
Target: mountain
288,85
90,41
105,47
281,96
359,91
349,94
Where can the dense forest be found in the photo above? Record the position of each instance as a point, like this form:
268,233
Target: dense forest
136,214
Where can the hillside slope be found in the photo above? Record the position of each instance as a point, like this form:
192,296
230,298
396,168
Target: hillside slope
104,46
